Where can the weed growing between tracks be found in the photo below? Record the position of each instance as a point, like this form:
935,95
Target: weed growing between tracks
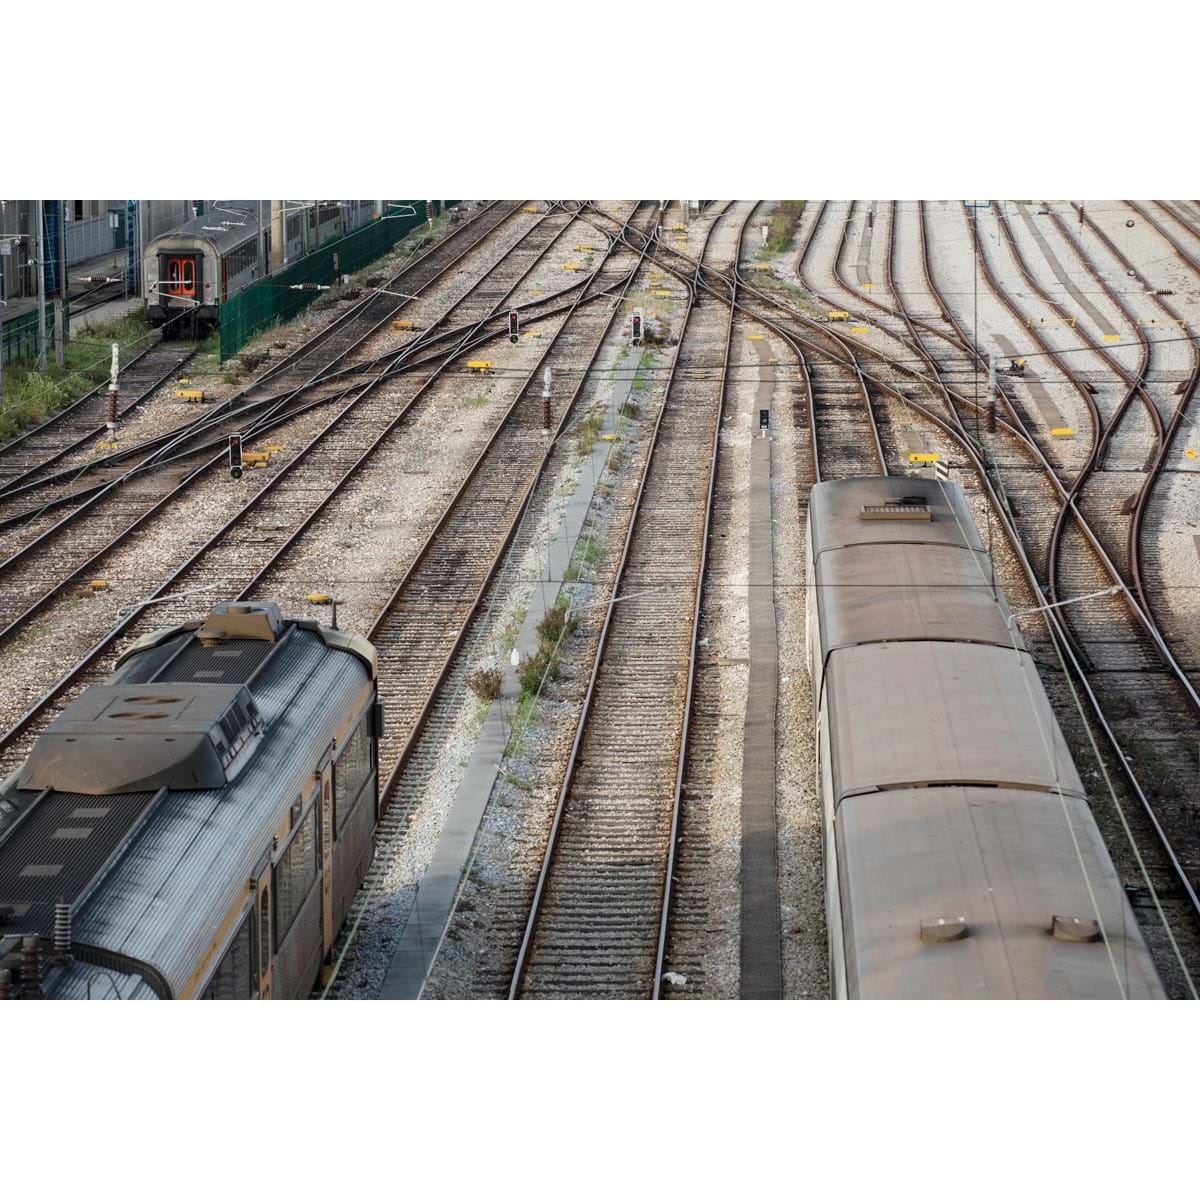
30,396
782,225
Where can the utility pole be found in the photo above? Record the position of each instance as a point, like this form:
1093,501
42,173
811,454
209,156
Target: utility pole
143,210
60,304
40,252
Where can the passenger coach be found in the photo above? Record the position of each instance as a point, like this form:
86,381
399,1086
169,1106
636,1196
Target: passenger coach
197,825
192,270
961,856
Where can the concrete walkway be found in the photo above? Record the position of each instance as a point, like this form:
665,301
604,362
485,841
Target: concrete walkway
761,961
1103,323
1037,389
438,889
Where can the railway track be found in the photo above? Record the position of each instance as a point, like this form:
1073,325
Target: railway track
1118,677
423,631
598,921
300,372
118,512
83,422
229,560
1171,894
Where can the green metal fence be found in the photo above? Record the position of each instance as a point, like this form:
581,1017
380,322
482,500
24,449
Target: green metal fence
272,299
19,336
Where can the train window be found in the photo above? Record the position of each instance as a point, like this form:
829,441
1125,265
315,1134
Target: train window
295,874
232,979
264,931
173,276
350,772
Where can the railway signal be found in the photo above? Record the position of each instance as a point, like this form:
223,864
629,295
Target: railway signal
637,326
235,455
514,326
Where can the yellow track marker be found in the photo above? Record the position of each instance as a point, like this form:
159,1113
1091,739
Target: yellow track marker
1062,431
924,458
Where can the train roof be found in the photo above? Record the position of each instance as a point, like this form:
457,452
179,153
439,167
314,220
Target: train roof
910,714
880,509
234,222
148,870
909,592
953,893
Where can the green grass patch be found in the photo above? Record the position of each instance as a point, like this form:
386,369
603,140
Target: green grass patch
783,223
641,377
589,431
30,395
478,400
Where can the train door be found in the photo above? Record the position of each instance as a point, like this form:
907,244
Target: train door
180,276
327,930
266,237
265,932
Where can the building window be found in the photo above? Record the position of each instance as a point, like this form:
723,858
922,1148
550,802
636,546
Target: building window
295,874
350,772
233,978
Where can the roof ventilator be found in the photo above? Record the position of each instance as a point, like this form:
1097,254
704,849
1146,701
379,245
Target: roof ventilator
903,508
1075,929
944,929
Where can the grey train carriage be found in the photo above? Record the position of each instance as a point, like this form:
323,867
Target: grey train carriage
197,825
959,843
192,270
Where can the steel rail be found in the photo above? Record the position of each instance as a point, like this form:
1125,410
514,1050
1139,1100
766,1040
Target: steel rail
448,512
537,901
339,326
689,696
1051,617
255,430
413,738
8,737
99,392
